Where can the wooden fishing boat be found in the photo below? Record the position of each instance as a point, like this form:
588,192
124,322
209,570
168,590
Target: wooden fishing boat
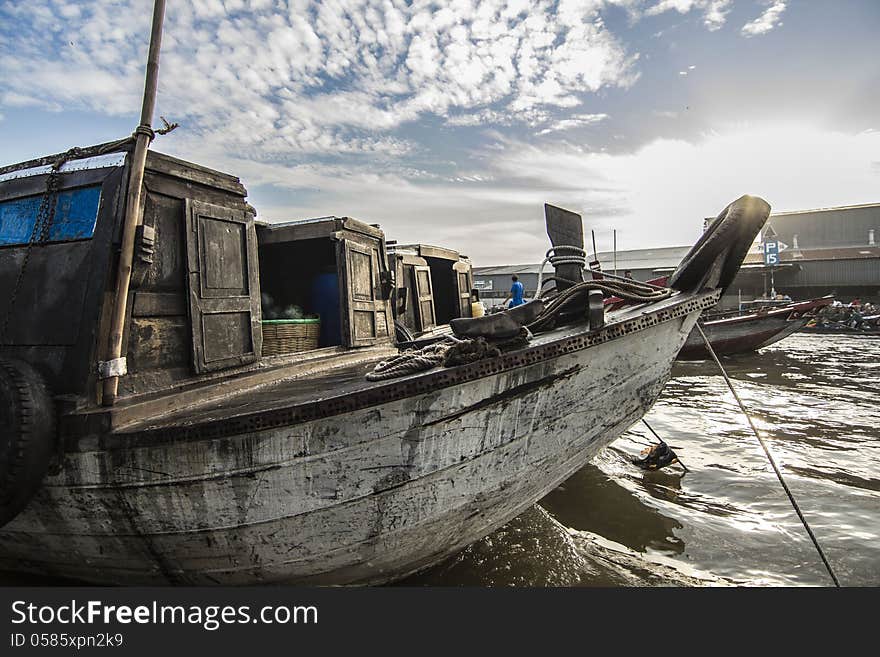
214,463
749,332
158,429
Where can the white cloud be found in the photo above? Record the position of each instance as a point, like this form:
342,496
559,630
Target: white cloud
301,76
574,121
659,194
766,21
714,11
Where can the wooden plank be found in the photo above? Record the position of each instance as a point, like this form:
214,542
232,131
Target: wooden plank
89,151
424,290
157,342
358,226
429,251
224,288
159,304
180,189
171,166
272,233
165,214
463,284
36,185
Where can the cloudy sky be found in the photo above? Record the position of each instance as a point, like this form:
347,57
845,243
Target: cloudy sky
453,122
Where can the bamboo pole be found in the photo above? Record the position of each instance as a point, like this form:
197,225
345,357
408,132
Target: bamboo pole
133,216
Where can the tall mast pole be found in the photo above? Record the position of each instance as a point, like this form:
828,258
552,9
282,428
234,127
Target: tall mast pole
614,232
114,364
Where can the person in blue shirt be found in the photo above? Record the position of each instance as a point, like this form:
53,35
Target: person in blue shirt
516,293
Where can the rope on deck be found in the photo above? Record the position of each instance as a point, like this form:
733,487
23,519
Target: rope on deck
449,352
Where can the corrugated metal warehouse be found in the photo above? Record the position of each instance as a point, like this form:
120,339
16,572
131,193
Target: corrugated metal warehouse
822,251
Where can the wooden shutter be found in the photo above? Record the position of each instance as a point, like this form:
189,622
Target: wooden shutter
224,287
425,298
463,285
368,314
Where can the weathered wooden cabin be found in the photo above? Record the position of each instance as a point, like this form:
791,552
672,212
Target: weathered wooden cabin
202,262
432,285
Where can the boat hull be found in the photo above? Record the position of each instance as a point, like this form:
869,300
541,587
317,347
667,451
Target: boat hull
793,326
366,496
740,335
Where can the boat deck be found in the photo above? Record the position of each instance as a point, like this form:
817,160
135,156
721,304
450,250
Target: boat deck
338,385
296,392
324,392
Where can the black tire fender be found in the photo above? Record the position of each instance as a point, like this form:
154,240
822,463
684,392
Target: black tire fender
27,435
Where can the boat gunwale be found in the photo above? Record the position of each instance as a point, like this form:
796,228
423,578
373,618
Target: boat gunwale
752,317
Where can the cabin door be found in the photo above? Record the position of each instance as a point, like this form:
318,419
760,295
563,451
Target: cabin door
463,285
368,314
224,287
426,316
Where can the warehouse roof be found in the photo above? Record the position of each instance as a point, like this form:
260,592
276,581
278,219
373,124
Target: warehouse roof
831,209
656,258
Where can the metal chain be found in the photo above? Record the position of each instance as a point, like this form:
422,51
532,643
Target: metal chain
40,231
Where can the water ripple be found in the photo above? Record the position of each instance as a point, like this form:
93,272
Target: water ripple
815,400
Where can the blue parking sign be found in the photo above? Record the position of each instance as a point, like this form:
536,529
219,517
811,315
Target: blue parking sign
771,253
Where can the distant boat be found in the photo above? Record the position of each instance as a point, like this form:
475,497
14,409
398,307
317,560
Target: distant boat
749,332
868,326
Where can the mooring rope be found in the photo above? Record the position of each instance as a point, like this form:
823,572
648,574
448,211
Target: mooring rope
626,289
770,458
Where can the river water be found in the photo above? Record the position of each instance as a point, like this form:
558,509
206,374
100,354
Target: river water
727,520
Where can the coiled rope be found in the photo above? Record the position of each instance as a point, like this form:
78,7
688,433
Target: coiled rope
577,256
410,362
449,352
770,458
626,289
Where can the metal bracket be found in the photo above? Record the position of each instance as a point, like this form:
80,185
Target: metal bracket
596,310
108,369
